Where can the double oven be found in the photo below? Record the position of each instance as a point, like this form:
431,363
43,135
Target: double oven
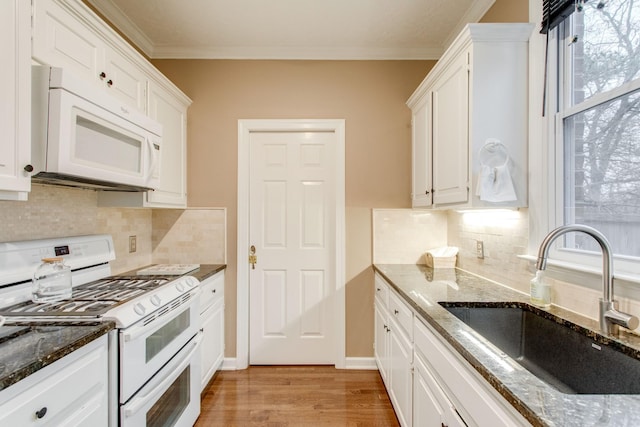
154,351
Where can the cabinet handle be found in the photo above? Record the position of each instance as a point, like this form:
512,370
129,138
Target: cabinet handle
213,291
41,413
28,168
396,312
426,192
378,289
109,82
102,75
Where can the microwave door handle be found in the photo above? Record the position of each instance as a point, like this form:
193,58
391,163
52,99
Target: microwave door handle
154,156
139,402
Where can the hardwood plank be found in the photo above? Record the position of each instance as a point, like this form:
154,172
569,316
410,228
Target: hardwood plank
281,396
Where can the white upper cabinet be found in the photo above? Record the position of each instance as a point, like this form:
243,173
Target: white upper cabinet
421,187
68,38
67,34
470,121
15,99
124,80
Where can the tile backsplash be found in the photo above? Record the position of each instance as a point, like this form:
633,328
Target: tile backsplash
399,237
162,235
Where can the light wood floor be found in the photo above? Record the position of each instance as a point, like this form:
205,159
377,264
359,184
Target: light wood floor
276,396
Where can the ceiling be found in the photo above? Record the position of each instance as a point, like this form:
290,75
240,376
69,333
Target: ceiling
292,29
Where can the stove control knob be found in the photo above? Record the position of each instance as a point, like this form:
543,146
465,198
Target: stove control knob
139,308
155,300
180,286
191,281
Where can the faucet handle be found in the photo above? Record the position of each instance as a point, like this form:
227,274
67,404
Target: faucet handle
628,321
611,317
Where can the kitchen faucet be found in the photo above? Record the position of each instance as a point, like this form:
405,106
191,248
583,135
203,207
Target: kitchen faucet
609,316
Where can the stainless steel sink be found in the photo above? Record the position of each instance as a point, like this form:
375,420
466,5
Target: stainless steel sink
565,358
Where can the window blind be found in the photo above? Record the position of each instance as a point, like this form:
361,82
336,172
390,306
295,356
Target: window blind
554,12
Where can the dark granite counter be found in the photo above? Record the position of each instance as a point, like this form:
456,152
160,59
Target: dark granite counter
542,405
25,348
205,271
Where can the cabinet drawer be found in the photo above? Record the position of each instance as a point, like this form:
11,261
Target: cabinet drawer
212,290
381,291
72,388
472,395
402,314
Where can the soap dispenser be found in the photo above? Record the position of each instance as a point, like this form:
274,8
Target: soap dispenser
540,290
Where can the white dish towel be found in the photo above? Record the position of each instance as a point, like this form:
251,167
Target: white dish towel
494,181
495,184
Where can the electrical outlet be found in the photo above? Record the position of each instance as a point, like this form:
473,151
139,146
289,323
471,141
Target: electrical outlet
480,249
132,244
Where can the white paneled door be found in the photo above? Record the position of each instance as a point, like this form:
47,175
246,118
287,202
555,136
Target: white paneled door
292,234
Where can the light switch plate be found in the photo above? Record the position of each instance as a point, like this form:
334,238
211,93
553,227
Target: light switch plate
480,249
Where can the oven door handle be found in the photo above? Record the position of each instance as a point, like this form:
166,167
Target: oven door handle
139,402
136,332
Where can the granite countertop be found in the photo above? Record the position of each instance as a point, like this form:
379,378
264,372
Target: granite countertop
205,271
542,405
27,347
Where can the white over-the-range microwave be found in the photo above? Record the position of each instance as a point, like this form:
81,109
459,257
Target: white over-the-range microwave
84,137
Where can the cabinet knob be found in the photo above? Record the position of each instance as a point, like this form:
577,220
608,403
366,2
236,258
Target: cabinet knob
426,192
378,289
28,168
41,413
102,75
109,82
396,312
213,291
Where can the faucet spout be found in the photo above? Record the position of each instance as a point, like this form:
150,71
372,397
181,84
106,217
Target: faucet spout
610,317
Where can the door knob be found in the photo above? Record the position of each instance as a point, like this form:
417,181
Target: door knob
253,258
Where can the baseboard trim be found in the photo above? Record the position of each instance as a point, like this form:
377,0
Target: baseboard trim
368,363
365,363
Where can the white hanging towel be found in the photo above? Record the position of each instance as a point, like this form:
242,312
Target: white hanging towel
494,182
495,185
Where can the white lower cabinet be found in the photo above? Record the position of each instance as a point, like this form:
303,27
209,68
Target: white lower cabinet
393,352
431,407
212,326
428,382
400,361
72,391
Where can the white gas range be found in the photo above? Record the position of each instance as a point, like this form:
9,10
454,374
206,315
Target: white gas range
157,336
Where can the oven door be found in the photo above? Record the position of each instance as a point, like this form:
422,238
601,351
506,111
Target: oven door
150,343
172,397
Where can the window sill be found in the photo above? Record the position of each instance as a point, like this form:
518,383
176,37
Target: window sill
626,284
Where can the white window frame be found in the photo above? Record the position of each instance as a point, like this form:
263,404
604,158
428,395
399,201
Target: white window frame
546,165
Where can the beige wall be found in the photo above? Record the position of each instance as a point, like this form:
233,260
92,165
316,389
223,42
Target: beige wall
508,11
369,95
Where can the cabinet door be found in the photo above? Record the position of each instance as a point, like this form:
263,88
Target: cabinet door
212,347
60,40
431,407
125,80
421,187
400,358
15,107
173,152
451,133
73,391
381,342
